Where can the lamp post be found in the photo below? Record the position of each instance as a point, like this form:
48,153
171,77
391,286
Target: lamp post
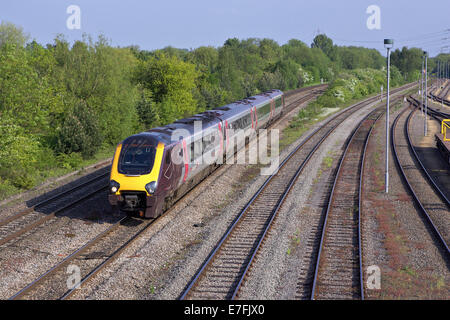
388,44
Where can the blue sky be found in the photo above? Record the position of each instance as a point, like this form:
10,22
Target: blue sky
190,24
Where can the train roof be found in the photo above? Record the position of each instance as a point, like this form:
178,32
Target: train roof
209,118
242,105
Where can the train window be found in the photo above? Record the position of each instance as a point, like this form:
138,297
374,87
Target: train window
264,110
246,121
278,103
192,152
208,142
196,150
137,156
236,124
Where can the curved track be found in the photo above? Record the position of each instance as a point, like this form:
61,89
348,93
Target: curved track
441,97
435,209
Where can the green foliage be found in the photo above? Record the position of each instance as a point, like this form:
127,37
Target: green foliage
355,84
25,95
69,161
408,61
19,153
79,132
12,34
146,109
325,44
172,82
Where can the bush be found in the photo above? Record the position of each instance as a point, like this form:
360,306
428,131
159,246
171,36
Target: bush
80,132
69,161
18,156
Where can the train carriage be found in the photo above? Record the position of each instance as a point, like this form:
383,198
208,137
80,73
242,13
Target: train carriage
153,169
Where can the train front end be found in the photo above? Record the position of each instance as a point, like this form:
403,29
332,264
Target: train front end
134,176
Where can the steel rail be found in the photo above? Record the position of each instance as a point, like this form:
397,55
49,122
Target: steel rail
442,99
424,169
108,260
66,260
360,199
241,214
411,189
435,114
331,197
49,216
49,200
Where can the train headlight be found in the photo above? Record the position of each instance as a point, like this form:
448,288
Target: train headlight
114,186
151,187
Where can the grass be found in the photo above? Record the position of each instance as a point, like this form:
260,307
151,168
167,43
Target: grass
294,242
327,161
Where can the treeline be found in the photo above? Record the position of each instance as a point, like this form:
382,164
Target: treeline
61,103
409,62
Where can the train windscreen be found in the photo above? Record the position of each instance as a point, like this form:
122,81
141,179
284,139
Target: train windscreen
137,156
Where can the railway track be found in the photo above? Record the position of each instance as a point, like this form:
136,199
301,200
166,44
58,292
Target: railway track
429,198
30,218
223,272
435,113
98,252
292,105
46,205
338,271
442,96
433,178
89,260
319,87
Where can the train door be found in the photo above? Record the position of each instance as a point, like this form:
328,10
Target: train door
168,173
227,135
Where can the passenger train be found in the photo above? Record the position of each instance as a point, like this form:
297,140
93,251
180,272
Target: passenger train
153,169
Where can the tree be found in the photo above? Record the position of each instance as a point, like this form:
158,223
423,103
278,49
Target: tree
171,82
12,34
79,132
146,110
408,61
325,44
